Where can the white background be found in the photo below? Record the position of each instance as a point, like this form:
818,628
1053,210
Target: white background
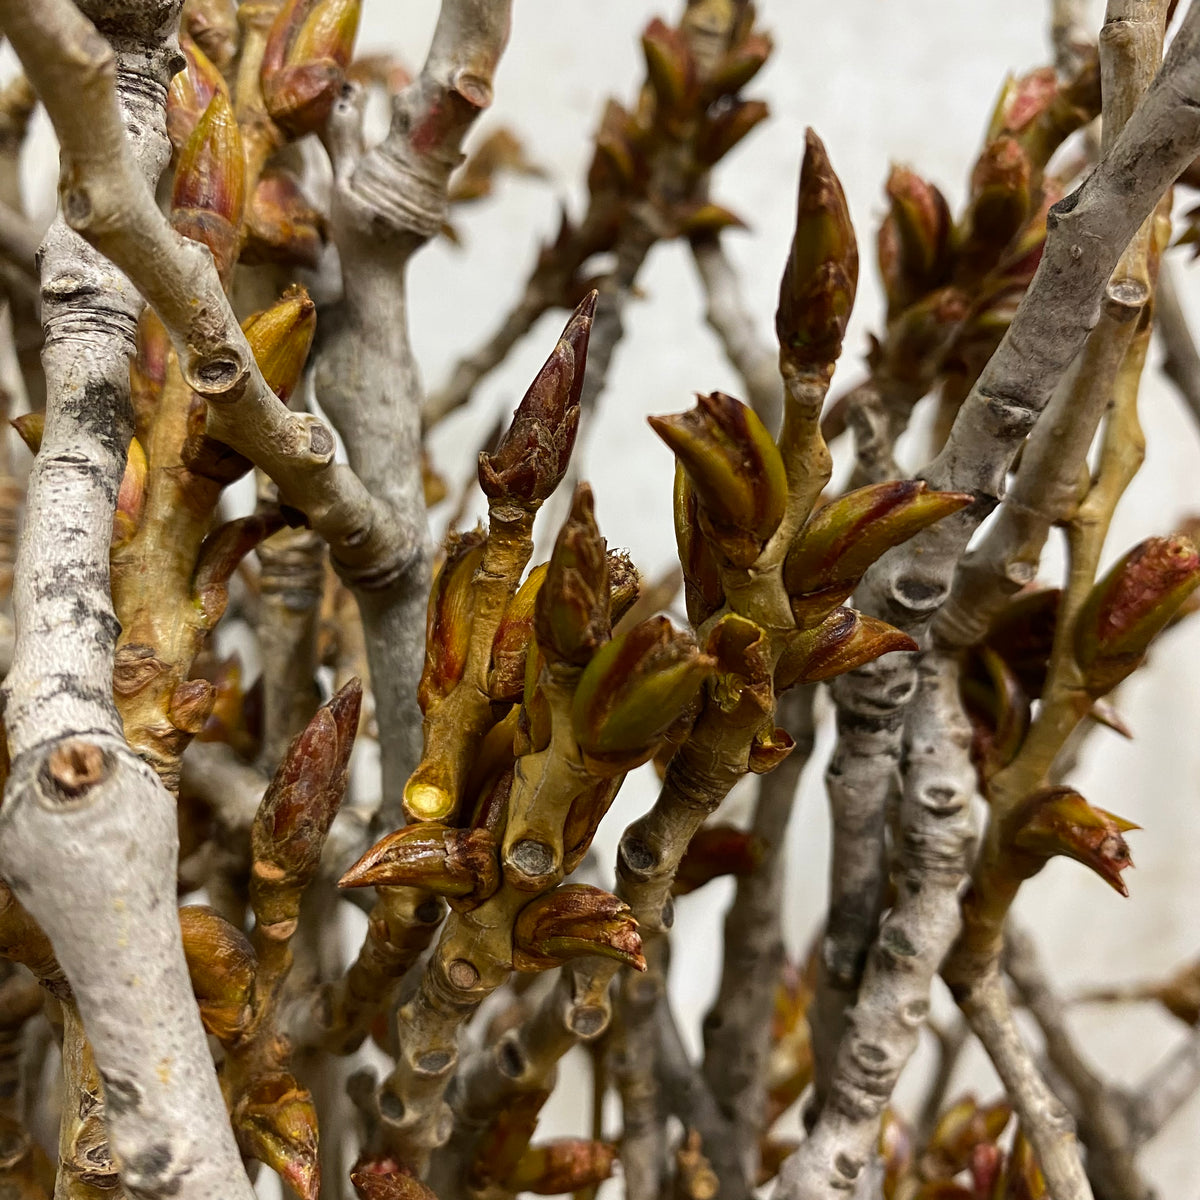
882,81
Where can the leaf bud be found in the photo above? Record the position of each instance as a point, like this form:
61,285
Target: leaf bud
276,1122
844,641
561,1166
222,965
304,64
632,691
457,863
703,592
571,610
717,850
841,540
575,921
190,92
280,337
532,457
1128,607
735,469
209,191
448,618
282,226
821,275
914,244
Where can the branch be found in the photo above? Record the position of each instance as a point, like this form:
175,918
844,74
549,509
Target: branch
908,586
387,203
1181,361
89,833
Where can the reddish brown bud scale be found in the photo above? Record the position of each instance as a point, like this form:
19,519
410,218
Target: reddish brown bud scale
448,619
727,127
460,864
702,588
532,457
276,1122
575,921
370,1184
304,64
506,680
1059,821
821,276
739,65
714,851
915,239
219,556
282,225
564,1165
300,803
190,92
209,191
844,641
572,608
281,337
222,967
842,539
735,470
131,499
632,691
1130,606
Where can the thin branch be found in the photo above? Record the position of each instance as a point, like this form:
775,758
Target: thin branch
754,358
907,586
89,833
1181,360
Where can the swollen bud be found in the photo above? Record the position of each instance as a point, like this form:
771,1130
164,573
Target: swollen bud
703,591
282,226
727,127
222,965
131,499
1130,605
914,241
533,455
670,68
1001,197
844,641
506,679
632,691
210,184
1059,821
280,337
307,53
457,863
388,1185
561,1166
190,93
821,275
448,618
841,540
571,610
575,921
735,469
276,1122
300,803
717,850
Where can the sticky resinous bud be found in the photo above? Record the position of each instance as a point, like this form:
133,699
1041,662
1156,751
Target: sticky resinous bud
448,618
821,275
460,864
1059,821
297,810
575,921
222,966
209,191
532,457
844,641
304,64
572,613
1128,608
914,243
281,337
842,539
190,92
735,470
276,1122
632,692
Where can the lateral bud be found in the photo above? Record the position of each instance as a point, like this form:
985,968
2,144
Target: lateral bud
561,1166
276,1122
844,641
514,634
190,92
572,608
914,244
222,965
304,64
735,469
1130,605
632,691
575,921
281,337
459,864
841,540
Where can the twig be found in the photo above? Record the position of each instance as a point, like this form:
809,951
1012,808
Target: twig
737,1029
90,836
1069,33
387,203
1104,1126
754,359
1166,1089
